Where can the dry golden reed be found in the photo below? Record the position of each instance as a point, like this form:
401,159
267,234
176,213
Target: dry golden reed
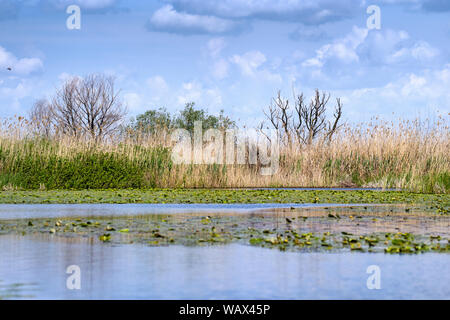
410,155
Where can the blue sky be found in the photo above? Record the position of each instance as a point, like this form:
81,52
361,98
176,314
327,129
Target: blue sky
232,54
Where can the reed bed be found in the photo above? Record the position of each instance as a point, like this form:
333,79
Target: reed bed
410,155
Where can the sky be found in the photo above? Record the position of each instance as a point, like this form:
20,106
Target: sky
233,55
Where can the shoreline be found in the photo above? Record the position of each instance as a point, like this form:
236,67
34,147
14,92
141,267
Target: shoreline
218,196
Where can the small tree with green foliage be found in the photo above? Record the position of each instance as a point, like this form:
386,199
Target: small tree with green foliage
157,120
189,115
152,121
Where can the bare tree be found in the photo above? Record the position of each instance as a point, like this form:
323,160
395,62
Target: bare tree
334,124
90,106
307,121
42,118
66,109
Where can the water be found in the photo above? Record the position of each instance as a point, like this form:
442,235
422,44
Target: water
36,267
28,211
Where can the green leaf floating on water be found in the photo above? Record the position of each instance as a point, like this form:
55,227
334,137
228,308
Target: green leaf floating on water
105,238
256,240
272,240
206,220
124,230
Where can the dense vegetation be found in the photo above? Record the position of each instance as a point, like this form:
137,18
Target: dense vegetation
76,141
382,156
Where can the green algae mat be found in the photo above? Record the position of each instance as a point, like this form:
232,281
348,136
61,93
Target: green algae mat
439,202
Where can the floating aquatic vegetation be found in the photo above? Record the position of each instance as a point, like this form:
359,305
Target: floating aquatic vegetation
396,232
438,203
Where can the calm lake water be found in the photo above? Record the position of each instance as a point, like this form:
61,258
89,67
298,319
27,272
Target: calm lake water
29,211
33,267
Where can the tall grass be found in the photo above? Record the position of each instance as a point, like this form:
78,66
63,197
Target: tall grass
411,155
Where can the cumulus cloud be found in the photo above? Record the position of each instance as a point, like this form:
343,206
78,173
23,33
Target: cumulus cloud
194,91
10,9
215,46
343,50
249,62
421,51
234,16
18,66
303,11
218,65
408,95
167,19
251,65
133,101
231,16
394,47
20,91
157,85
142,96
88,5
372,48
156,93
309,33
12,95
220,69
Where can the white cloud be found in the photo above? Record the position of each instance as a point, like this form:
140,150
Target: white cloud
133,101
309,33
373,48
220,69
216,63
215,46
19,92
343,49
251,65
157,85
63,77
209,98
84,4
303,11
10,97
407,96
249,62
166,19
22,66
420,51
156,94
